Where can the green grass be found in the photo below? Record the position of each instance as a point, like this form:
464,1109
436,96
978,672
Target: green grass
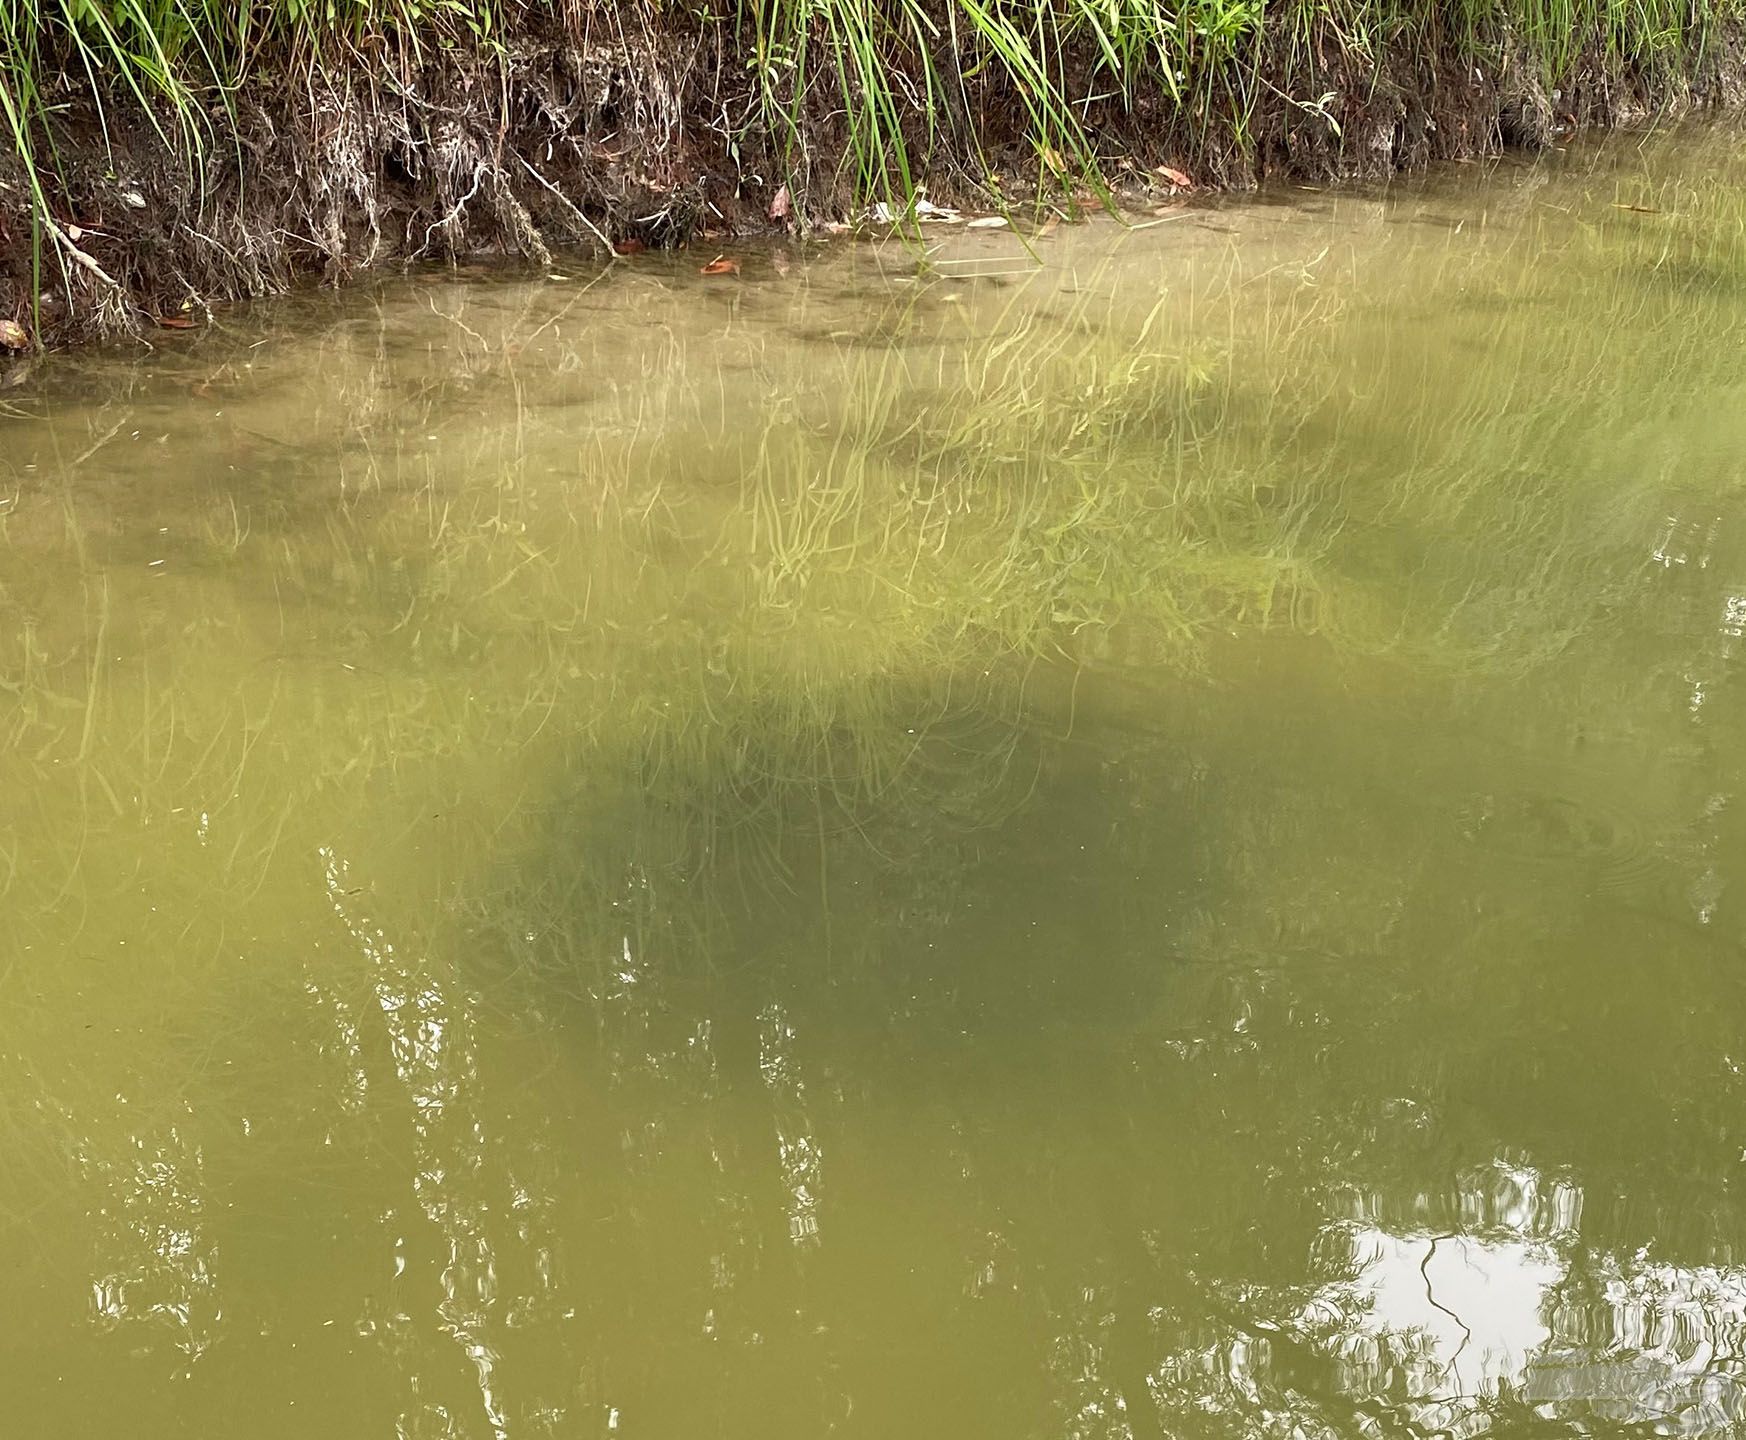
866,98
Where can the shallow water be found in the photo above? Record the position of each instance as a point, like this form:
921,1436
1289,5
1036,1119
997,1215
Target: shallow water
1136,840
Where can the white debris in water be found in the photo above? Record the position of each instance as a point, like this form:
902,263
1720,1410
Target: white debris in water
798,1152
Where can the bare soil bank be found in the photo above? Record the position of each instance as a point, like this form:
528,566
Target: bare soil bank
653,139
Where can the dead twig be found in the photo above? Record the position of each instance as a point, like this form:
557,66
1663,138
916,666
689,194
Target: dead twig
78,256
574,209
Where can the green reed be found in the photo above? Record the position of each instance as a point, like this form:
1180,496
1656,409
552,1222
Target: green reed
897,90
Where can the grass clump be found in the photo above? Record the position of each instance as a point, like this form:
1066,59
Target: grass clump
896,72
600,111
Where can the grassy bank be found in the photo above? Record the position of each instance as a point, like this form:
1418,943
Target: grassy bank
165,155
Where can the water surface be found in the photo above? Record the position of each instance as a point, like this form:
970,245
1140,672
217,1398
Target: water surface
1140,839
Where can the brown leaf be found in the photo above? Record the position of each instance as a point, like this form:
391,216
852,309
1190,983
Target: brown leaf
780,208
630,245
721,265
12,336
1051,158
175,322
1176,177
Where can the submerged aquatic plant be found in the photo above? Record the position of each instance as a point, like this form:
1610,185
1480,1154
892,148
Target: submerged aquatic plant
766,565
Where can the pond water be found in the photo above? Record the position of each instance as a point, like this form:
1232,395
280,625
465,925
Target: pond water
1141,837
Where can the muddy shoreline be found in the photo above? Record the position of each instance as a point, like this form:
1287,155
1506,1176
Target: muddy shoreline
550,147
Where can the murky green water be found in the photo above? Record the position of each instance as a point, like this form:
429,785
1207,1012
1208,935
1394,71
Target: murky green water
1141,845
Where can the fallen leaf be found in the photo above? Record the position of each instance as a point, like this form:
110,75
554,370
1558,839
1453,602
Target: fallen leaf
12,336
1051,157
988,222
75,233
176,322
779,204
721,265
630,245
1176,177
